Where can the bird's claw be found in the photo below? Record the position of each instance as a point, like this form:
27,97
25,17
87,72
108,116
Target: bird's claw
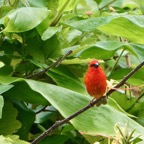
102,101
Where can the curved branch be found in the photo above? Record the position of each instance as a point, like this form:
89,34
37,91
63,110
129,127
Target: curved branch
91,104
55,64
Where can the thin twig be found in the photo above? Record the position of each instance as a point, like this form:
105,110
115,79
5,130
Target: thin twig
117,60
91,104
128,60
55,64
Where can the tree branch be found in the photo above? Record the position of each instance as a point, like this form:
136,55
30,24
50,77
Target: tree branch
55,64
91,104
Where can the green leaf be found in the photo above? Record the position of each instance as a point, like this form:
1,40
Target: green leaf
123,101
95,121
101,50
21,92
46,116
98,1
129,27
104,50
52,5
68,102
8,80
76,61
52,47
11,139
95,52
141,4
65,78
140,118
25,3
119,74
130,4
4,11
120,104
55,139
90,24
64,5
1,105
9,124
27,117
24,19
4,88
38,3
72,36
114,45
50,32
35,48
139,49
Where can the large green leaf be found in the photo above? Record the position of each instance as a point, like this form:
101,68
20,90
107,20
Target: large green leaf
90,24
129,27
4,88
104,50
35,48
52,47
65,78
95,121
11,139
24,19
50,32
9,124
21,92
27,117
95,52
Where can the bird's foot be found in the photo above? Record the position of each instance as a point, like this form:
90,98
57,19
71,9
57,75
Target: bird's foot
102,101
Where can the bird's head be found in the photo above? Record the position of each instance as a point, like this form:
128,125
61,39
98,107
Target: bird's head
94,64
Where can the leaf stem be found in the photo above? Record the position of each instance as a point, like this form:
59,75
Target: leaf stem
117,60
91,104
58,16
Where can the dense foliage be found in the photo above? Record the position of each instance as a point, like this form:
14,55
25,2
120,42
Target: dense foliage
36,33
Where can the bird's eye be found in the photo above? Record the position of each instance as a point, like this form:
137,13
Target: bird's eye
95,65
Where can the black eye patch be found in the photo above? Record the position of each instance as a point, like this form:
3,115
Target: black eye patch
95,65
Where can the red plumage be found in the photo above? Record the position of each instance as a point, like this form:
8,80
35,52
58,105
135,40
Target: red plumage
95,80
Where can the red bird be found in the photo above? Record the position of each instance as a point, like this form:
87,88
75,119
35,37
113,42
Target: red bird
95,80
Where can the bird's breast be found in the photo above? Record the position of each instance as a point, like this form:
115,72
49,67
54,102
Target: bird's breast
95,82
